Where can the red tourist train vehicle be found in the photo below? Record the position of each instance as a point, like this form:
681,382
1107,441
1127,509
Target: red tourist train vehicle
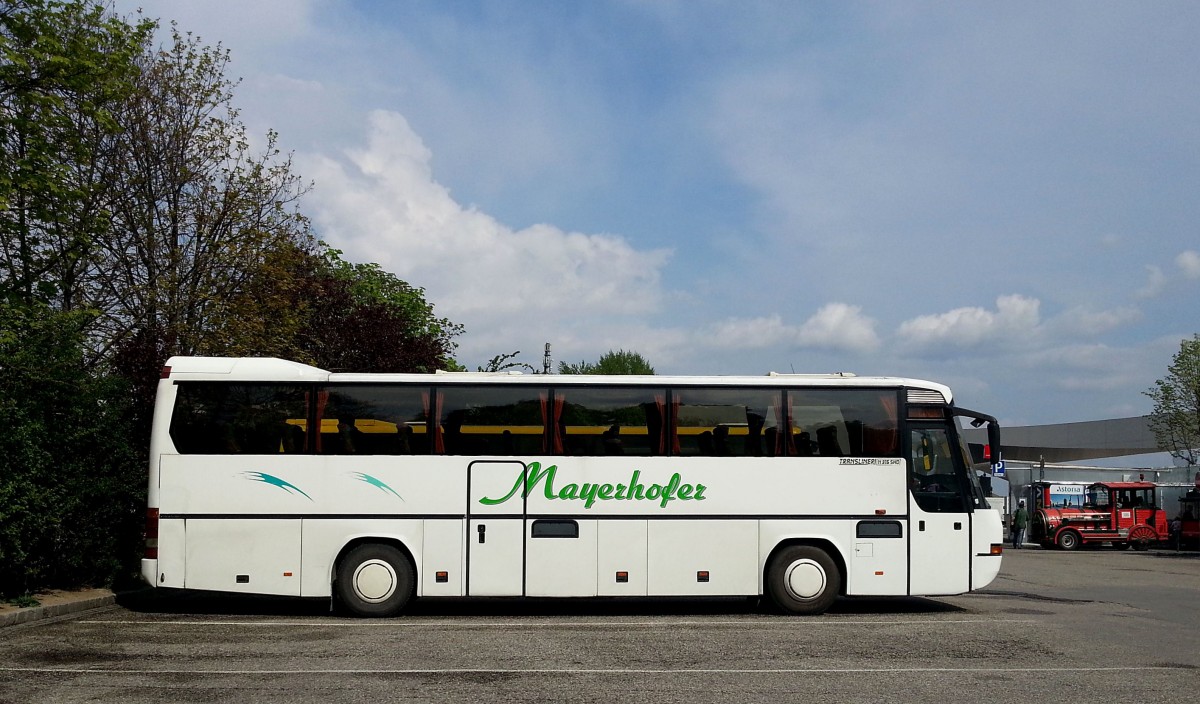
1189,519
1122,513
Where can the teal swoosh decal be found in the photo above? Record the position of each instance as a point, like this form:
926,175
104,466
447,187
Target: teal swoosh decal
276,481
377,484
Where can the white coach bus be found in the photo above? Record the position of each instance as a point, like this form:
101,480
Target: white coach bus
273,477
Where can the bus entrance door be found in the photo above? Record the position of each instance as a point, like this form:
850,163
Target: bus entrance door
496,528
939,522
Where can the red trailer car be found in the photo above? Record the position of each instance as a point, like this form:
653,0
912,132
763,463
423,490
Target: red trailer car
1189,520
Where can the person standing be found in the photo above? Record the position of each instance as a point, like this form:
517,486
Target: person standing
1020,521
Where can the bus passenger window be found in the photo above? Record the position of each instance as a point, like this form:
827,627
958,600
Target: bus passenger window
362,419
491,420
725,422
215,418
827,442
844,422
610,421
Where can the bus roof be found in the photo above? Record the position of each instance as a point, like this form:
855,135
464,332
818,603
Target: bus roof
273,369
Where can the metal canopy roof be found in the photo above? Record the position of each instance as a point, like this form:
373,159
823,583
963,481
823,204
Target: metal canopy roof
1067,442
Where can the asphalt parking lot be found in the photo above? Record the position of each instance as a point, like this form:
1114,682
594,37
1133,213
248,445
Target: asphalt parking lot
1095,625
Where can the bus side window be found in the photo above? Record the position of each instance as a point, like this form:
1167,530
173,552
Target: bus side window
611,421
217,418
367,419
827,442
844,422
492,420
723,422
291,439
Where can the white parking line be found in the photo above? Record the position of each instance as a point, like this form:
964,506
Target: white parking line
467,623
591,671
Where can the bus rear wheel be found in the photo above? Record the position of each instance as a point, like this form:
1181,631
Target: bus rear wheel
802,579
374,580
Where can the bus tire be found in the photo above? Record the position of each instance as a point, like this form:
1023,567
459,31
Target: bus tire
374,579
1068,540
803,579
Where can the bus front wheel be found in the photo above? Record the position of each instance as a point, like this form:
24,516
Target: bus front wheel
802,579
374,580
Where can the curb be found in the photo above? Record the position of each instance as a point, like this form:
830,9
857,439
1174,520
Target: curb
66,608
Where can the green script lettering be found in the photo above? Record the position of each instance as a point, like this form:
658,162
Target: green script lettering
589,494
527,480
668,492
636,490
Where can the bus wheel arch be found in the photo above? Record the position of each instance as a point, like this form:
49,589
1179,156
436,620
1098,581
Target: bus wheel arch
374,577
804,577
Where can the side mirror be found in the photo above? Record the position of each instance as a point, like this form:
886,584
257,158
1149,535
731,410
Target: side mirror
993,431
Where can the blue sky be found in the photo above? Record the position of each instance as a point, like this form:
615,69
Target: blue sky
998,196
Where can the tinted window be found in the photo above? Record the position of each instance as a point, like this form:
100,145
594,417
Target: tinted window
239,419
879,529
551,528
1097,497
843,422
490,420
373,420
935,480
609,421
726,422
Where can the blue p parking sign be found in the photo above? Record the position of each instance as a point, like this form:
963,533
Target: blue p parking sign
998,469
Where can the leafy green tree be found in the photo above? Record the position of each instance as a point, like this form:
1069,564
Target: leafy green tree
196,212
507,362
611,362
70,507
71,486
1175,419
65,68
137,222
362,318
304,302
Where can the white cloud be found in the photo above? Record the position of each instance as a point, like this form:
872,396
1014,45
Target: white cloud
382,204
1189,262
839,152
1015,316
754,333
261,27
839,326
1156,282
836,326
1081,321
1095,367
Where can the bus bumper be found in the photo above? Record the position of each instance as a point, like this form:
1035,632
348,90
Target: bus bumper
150,572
